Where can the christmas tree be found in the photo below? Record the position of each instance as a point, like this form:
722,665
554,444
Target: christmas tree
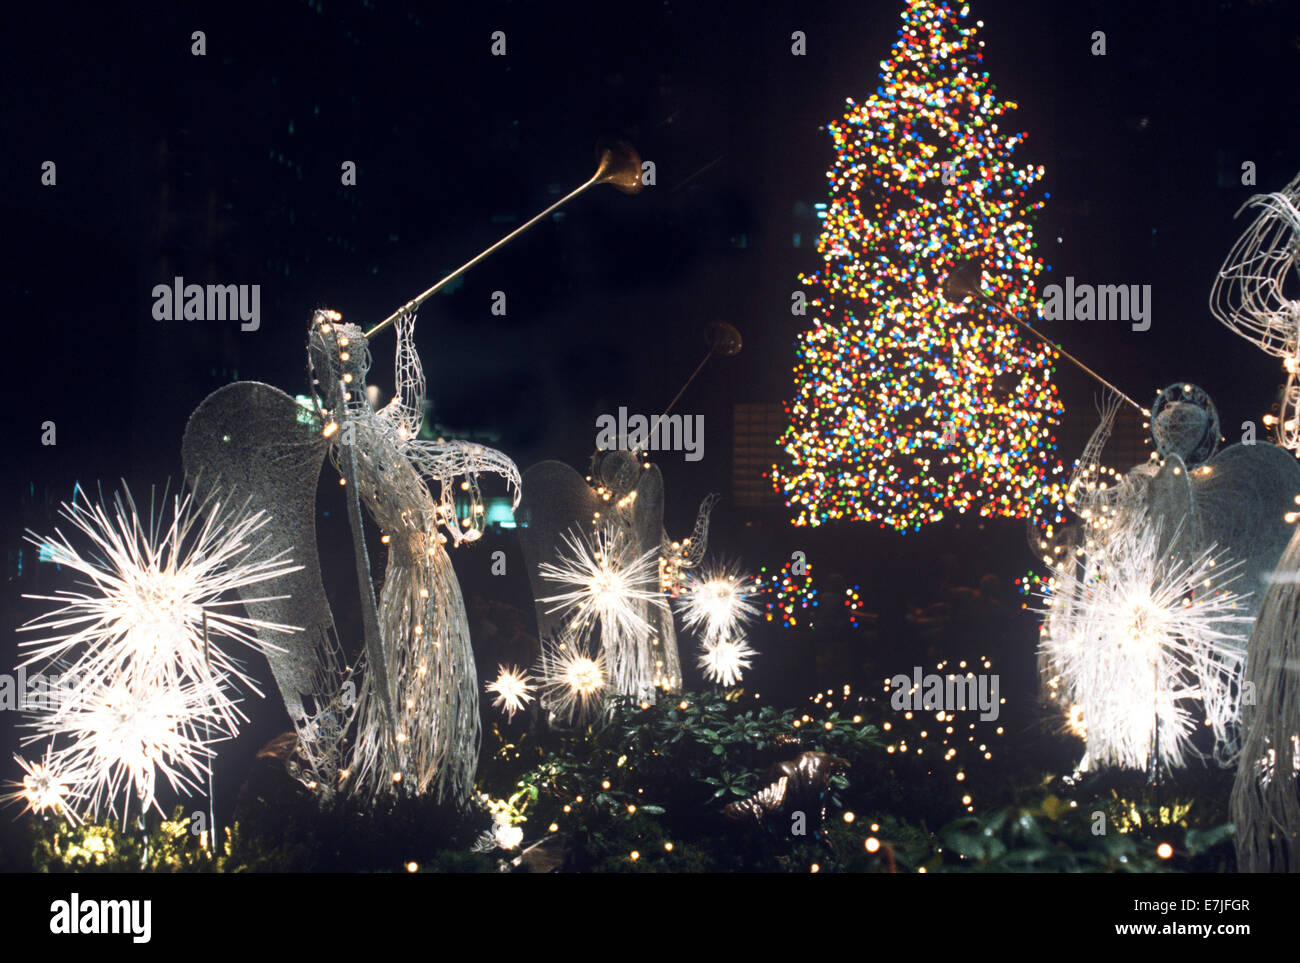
909,405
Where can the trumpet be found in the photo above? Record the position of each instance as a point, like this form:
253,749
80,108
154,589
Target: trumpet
618,165
965,280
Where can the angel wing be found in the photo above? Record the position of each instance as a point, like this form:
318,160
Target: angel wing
255,442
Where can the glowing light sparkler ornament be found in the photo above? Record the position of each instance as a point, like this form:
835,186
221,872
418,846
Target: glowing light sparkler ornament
41,789
604,577
907,405
573,680
150,595
717,602
118,738
610,588
724,659
145,686
513,690
1147,647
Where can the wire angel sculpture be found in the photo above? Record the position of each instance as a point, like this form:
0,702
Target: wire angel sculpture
618,507
418,718
415,720
1248,294
1265,800
1185,518
404,714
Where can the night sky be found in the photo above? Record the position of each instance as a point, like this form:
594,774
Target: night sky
226,169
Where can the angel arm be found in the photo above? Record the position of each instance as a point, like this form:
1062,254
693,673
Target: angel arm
406,410
688,553
442,462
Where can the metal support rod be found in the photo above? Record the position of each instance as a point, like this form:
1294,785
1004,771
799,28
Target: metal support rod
1064,354
678,397
415,302
664,414
212,796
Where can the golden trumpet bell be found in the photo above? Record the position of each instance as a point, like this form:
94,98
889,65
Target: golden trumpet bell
963,281
619,166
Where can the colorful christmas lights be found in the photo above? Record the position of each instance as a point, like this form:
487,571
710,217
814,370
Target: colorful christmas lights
908,405
790,593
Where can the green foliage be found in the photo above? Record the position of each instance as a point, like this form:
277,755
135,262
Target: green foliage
289,830
166,846
654,781
286,831
644,777
1112,836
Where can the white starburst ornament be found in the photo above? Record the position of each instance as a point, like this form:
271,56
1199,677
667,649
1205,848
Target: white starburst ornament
146,687
604,579
717,603
120,738
1147,647
41,789
513,690
724,660
155,604
573,680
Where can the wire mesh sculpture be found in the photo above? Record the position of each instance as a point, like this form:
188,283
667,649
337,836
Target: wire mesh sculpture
1188,516
1249,296
418,719
1265,800
260,445
405,714
619,505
